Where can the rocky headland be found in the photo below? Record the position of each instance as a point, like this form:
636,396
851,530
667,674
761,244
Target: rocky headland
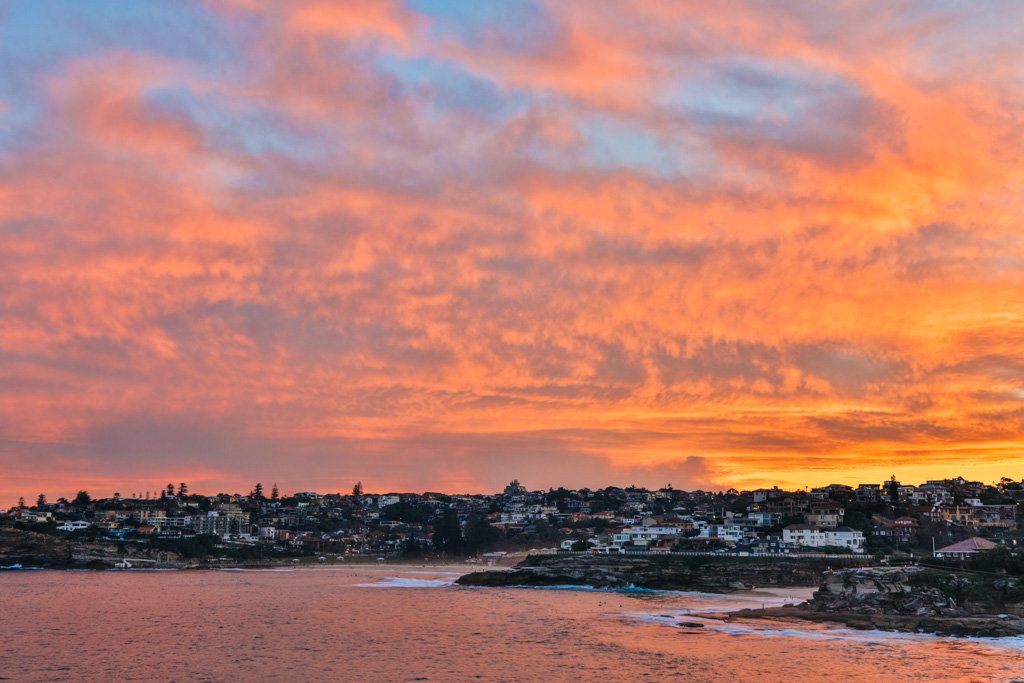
46,551
912,599
908,599
685,573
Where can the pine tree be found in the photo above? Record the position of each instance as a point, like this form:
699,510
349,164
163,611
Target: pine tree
480,535
41,500
274,493
447,533
357,490
411,547
257,492
893,490
182,489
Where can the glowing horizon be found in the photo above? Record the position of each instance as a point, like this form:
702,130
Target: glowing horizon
441,244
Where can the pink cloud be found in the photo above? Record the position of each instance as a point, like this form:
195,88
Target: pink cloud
320,265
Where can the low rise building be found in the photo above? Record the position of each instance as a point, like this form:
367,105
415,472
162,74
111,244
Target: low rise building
825,514
642,536
965,550
730,533
804,535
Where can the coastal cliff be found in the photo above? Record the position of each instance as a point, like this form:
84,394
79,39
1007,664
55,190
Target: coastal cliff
30,549
913,599
689,573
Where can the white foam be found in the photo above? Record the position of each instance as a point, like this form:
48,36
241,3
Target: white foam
398,582
151,569
672,618
242,569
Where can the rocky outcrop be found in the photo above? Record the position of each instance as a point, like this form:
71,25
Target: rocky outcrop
911,599
874,590
652,572
31,549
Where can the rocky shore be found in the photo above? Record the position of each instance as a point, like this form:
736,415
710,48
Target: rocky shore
45,551
911,599
906,599
708,574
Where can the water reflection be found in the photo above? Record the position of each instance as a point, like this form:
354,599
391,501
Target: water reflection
384,623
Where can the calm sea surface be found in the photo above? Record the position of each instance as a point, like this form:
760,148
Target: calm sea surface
404,624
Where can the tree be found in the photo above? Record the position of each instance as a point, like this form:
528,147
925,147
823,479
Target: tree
274,493
480,535
21,502
41,500
411,547
82,499
447,534
257,492
892,488
182,489
170,490
998,560
406,512
357,490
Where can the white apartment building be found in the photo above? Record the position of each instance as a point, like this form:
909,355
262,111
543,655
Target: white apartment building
813,537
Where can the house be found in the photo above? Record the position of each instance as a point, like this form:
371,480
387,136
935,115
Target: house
826,514
764,495
807,536
37,516
763,519
73,525
151,516
996,517
899,530
976,515
763,545
643,536
787,507
845,537
839,492
935,492
868,493
730,533
965,550
804,535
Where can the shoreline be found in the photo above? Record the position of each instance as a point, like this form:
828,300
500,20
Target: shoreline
145,566
982,625
802,594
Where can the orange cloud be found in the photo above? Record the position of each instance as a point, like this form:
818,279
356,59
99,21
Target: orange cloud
351,20
713,245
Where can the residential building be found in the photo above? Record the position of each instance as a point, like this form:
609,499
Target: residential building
965,550
807,536
730,533
825,514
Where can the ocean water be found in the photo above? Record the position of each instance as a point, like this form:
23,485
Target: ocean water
386,623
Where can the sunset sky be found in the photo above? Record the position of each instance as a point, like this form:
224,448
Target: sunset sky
438,244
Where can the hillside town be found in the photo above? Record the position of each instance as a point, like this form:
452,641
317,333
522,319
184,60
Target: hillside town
950,518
